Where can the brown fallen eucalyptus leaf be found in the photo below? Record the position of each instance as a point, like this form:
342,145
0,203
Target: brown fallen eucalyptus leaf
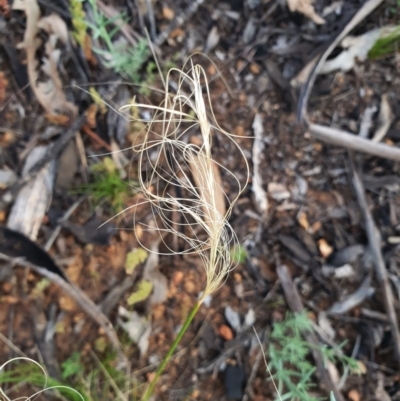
3,86
225,332
49,93
324,248
306,8
53,24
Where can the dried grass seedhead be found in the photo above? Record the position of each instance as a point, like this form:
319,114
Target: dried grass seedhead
182,176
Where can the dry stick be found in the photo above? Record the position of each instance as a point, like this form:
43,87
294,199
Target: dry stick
374,243
353,142
249,394
151,18
58,228
53,152
295,304
83,301
115,295
96,138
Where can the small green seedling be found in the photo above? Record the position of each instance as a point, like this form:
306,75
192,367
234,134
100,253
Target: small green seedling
123,59
72,366
289,356
107,185
238,254
388,44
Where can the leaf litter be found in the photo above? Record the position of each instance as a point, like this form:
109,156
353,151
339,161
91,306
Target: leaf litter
286,156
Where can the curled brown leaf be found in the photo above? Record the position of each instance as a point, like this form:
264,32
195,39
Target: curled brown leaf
49,93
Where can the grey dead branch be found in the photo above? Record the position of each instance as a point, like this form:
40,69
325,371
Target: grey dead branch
260,195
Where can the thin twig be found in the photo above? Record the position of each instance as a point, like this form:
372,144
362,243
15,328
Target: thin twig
114,296
152,20
353,142
66,216
231,347
296,305
52,153
374,240
248,391
96,138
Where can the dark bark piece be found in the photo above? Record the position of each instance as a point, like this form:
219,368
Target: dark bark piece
234,379
296,247
16,245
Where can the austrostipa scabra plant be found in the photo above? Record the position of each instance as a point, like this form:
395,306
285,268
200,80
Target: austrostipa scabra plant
176,165
181,177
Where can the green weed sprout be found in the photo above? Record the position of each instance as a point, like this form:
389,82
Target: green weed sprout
388,42
107,185
238,254
123,59
34,375
170,158
288,353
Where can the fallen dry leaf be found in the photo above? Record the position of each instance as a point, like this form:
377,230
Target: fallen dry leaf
168,13
67,304
87,51
354,395
385,118
91,114
303,221
212,39
137,327
49,93
53,24
324,248
278,191
177,277
225,332
255,69
306,8
177,33
3,86
57,119
4,8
